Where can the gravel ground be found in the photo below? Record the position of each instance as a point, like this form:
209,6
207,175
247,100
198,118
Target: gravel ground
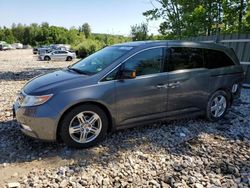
184,153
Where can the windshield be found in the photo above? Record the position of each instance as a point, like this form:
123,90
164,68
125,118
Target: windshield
100,60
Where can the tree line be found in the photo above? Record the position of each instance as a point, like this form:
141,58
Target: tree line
183,19
81,39
42,34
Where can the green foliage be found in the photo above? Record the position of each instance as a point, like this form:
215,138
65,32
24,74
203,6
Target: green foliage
88,47
86,30
110,39
35,35
7,36
97,42
183,19
139,32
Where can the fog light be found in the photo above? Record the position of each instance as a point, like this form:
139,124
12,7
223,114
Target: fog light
26,127
234,88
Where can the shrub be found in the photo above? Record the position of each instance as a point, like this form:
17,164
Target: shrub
88,47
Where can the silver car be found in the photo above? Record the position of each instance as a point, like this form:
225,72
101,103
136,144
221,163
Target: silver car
58,55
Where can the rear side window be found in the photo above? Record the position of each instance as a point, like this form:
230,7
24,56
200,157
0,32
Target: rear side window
216,59
180,58
61,52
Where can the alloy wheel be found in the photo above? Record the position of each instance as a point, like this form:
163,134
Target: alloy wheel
85,127
219,105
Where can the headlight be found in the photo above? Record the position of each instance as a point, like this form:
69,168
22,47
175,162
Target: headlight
35,100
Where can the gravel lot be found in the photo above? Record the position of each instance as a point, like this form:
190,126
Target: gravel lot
184,153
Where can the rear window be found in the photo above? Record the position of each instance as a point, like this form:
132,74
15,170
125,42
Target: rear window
216,59
180,58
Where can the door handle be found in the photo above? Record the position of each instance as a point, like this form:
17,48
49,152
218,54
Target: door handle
174,84
160,86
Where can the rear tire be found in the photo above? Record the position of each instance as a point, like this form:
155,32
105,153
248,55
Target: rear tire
46,58
69,58
84,126
217,105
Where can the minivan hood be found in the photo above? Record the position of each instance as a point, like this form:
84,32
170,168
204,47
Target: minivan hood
48,83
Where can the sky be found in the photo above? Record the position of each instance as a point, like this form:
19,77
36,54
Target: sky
103,16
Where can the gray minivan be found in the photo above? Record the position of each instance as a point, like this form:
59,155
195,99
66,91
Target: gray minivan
126,85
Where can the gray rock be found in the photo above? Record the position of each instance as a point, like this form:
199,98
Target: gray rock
154,183
64,183
198,185
191,180
14,185
170,180
182,135
216,182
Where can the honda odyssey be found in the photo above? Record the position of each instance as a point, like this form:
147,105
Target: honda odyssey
126,85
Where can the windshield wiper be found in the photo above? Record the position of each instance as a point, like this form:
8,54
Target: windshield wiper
77,70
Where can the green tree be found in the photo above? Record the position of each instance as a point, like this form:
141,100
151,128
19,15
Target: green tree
139,32
1,34
8,35
170,13
234,13
199,17
247,19
74,36
86,30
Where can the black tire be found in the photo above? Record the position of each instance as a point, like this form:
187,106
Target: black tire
46,58
69,58
69,117
209,113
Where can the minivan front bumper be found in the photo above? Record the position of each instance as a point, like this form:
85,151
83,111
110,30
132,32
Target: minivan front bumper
34,123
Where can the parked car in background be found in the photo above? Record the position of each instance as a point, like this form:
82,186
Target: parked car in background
49,48
126,85
43,50
17,46
6,46
35,50
58,55
60,47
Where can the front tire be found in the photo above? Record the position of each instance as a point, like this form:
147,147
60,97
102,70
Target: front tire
84,126
217,106
69,58
46,58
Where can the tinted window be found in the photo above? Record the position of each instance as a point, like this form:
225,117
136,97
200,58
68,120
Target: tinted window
216,59
62,52
146,62
184,58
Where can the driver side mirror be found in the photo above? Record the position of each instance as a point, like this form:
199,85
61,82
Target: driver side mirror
127,74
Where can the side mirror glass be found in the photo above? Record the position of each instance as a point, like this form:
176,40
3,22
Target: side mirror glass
128,74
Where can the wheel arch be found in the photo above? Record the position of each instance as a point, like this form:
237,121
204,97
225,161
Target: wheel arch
100,105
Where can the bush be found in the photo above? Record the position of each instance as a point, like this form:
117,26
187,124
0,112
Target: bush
88,47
